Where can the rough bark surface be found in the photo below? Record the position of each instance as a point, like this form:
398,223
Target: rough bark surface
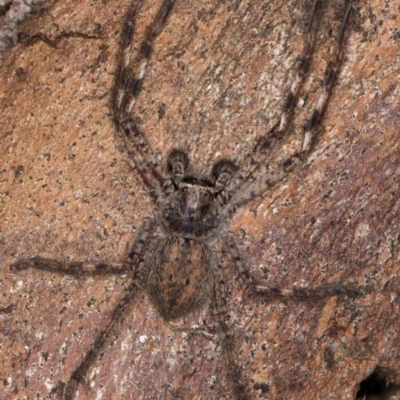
215,84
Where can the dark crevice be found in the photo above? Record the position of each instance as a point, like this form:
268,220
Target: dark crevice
378,385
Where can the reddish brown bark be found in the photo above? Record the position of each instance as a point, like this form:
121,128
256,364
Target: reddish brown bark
67,193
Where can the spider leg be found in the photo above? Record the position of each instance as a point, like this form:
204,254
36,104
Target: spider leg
280,129
234,371
318,292
92,268
271,293
301,74
218,299
143,242
256,177
135,266
127,86
136,256
241,269
331,74
70,268
302,70
263,181
79,374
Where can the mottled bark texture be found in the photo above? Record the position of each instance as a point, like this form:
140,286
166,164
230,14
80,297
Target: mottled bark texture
216,83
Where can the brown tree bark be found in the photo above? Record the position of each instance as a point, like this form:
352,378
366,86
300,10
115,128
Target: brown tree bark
215,84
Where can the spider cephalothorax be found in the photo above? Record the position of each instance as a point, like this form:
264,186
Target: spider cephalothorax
193,209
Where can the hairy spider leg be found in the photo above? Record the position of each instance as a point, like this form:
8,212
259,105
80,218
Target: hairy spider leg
136,265
279,130
266,293
275,293
91,268
79,374
137,257
218,302
127,86
331,73
303,68
71,268
255,179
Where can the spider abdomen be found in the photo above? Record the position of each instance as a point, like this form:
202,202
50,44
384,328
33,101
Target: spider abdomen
179,277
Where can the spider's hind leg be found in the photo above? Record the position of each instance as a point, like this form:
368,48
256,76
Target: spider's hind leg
136,257
135,266
219,297
78,376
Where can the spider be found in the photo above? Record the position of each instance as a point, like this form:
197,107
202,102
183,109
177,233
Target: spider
174,256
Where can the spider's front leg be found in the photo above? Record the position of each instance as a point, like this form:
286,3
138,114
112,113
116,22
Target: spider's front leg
129,77
256,177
